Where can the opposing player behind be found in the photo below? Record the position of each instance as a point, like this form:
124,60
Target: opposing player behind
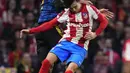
73,46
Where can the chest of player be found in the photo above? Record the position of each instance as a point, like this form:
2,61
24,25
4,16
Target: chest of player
80,19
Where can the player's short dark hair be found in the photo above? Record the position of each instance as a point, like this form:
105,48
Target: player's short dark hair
67,3
62,3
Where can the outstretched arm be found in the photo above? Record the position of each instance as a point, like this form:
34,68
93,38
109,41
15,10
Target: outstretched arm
43,27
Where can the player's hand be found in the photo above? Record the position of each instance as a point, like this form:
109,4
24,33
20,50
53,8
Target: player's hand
90,35
107,13
23,31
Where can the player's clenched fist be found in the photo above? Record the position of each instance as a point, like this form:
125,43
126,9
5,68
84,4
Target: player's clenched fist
23,31
90,35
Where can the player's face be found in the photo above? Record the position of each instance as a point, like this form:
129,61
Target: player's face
75,6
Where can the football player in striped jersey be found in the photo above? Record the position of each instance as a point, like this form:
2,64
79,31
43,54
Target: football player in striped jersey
73,46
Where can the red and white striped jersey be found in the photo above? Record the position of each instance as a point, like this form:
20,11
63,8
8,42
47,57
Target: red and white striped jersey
78,24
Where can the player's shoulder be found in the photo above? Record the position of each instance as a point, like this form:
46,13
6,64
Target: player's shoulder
64,11
93,7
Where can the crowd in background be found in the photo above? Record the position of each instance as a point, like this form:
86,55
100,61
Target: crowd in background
105,52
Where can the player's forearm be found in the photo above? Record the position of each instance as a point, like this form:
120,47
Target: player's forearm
103,24
43,27
40,28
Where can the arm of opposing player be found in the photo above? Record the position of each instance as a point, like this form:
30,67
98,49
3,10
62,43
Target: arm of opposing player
45,26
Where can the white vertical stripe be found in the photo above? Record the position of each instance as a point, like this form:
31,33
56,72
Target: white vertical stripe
90,13
78,17
86,44
64,17
79,34
126,53
95,16
93,13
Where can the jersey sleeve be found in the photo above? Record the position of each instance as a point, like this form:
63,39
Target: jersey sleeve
95,12
63,16
44,26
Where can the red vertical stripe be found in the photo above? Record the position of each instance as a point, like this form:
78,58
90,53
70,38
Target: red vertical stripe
85,15
95,9
85,30
82,40
72,17
72,31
